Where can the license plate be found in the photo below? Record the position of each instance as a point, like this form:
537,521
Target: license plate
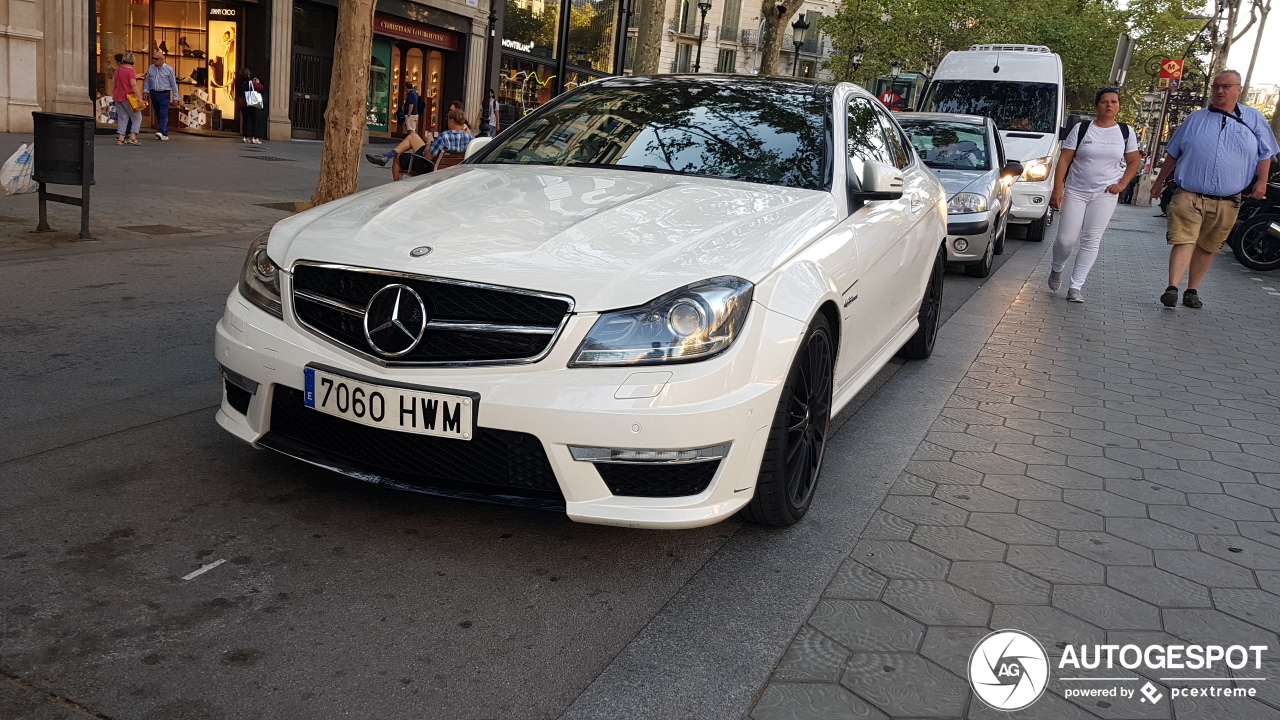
439,413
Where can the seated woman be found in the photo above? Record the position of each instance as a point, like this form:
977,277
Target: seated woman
414,157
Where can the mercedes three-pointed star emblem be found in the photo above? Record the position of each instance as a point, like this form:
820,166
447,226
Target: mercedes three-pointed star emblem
394,320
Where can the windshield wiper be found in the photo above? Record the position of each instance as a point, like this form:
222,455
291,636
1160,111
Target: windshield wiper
611,166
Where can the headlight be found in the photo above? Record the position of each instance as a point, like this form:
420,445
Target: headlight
692,323
966,203
1035,170
260,279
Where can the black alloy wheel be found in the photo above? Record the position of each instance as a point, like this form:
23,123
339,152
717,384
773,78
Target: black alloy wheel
920,346
1254,246
798,438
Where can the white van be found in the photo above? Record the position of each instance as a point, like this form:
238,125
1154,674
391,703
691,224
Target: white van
1021,88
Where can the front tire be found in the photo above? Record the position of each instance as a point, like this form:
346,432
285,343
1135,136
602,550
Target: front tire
982,268
920,346
1254,247
798,437
1036,230
1002,235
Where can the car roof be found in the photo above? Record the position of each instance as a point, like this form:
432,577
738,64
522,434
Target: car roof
953,117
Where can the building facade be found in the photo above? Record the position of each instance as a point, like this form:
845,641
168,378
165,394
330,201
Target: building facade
44,60
731,37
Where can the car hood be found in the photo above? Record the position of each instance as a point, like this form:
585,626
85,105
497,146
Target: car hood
958,181
1023,146
607,238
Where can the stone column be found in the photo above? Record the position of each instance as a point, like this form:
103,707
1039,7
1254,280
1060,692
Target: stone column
66,57
281,89
20,64
477,44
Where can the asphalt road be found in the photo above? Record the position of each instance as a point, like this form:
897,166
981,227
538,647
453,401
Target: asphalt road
334,599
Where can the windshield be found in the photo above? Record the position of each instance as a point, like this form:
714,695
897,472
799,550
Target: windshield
1024,106
954,145
734,128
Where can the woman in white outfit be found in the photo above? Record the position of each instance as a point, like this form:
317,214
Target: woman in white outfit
1099,159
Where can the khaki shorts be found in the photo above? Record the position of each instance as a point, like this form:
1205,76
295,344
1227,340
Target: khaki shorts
1197,219
411,123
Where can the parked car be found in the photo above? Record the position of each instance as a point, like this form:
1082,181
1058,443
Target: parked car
641,304
966,154
1255,239
1021,87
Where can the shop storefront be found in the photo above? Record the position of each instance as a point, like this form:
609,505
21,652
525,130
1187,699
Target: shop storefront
541,56
407,52
208,43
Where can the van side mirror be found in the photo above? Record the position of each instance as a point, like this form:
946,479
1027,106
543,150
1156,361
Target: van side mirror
1012,168
474,146
880,181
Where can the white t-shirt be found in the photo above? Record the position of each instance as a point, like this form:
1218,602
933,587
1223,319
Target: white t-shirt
1099,161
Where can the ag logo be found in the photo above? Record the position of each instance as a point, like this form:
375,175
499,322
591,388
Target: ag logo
1008,670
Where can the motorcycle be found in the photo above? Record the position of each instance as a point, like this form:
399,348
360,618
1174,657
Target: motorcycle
1255,239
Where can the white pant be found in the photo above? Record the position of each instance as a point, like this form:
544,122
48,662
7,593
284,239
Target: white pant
1083,219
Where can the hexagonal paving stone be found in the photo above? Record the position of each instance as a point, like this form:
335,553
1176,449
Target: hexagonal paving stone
989,463
1215,471
1069,446
1267,533
1260,494
1048,706
1021,487
1060,515
935,602
972,416
1054,628
1014,529
1253,606
944,472
1204,569
975,498
1065,477
1106,607
924,510
1055,564
1103,439
906,685
958,543
887,526
1103,467
1269,580
1213,627
812,701
1229,507
1137,431
1157,586
1106,549
998,582
1205,442
951,647
1104,503
1241,551
1000,434
811,656
960,441
1174,449
1191,519
929,451
863,625
900,560
1145,491
855,581
1151,534
1209,708
1245,461
908,484
1036,427
1182,481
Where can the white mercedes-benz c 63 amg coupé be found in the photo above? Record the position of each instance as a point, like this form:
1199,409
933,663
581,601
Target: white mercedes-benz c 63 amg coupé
641,304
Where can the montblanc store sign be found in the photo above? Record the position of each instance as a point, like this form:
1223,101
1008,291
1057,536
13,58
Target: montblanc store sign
1009,670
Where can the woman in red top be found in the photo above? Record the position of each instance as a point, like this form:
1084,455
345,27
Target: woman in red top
128,120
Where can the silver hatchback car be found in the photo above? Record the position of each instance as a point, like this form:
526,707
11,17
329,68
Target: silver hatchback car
966,154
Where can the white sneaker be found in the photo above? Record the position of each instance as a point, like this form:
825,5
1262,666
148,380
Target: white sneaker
244,140
160,136
164,137
256,141
1074,295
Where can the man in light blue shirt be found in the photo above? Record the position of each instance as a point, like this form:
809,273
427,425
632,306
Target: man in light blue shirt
1219,153
162,86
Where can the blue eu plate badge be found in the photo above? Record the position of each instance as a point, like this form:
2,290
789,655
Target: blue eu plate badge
309,391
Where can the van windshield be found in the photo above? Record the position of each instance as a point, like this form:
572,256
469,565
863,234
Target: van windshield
1026,106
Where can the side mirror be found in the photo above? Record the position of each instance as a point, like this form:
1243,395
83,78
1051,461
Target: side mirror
474,146
880,181
1072,121
1012,168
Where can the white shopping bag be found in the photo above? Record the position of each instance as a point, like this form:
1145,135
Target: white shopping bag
15,175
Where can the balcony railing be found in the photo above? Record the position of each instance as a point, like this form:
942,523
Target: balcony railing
750,37
686,28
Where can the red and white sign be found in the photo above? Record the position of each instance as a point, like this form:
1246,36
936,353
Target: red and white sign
891,99
1170,74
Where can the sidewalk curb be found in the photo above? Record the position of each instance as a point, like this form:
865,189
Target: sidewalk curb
710,651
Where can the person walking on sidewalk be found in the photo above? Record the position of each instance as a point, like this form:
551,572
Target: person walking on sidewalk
251,113
490,124
128,100
1099,159
411,110
162,86
1214,156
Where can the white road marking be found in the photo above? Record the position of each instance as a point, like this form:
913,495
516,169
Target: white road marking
204,569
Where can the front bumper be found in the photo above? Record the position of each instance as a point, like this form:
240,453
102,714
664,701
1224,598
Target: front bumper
975,230
729,398
1030,200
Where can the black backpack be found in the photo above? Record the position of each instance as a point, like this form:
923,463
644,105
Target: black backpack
1083,127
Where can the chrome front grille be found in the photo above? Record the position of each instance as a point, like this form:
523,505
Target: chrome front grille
468,323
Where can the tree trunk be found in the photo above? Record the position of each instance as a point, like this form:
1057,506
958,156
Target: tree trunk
649,15
344,120
776,13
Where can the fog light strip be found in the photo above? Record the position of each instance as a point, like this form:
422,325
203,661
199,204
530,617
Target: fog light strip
240,381
644,456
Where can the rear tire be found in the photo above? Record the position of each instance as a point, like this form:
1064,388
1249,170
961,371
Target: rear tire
920,346
982,268
1036,230
1253,245
798,437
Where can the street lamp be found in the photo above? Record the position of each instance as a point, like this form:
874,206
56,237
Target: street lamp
799,28
703,7
895,68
